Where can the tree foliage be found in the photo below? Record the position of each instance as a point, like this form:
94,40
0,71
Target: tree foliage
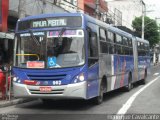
150,29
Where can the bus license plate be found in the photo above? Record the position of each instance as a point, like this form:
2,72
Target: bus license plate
45,89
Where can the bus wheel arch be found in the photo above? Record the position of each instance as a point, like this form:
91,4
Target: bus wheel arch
102,89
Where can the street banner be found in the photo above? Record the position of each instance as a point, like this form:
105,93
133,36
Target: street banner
4,6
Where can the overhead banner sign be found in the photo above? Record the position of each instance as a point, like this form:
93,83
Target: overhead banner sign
4,4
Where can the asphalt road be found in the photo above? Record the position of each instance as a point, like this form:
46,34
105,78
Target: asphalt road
145,102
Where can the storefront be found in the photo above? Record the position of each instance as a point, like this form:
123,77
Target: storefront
6,48
6,39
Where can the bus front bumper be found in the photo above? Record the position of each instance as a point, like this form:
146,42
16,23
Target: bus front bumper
70,91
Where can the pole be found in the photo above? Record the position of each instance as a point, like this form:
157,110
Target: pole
6,74
22,14
22,8
143,11
44,6
97,9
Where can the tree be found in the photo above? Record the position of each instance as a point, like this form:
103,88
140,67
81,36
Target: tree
150,29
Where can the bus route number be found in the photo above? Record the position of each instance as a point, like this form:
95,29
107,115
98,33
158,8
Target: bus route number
57,82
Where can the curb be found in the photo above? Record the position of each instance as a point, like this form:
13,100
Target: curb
14,102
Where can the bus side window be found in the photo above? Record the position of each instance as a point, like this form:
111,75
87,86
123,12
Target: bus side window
92,48
93,45
110,40
104,46
118,44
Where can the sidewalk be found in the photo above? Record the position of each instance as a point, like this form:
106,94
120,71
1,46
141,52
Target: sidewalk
12,101
6,103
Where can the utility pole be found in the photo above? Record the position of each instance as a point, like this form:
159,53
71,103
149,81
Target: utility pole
143,14
44,6
22,9
97,9
22,14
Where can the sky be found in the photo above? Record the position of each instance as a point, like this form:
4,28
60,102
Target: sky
154,6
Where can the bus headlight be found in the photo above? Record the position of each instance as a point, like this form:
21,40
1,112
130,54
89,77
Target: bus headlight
79,78
15,79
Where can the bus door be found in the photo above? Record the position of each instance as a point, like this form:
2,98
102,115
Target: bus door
135,56
93,66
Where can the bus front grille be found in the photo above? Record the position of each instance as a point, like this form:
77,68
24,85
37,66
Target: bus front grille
43,76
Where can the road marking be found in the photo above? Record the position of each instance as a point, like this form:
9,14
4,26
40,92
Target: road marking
128,104
155,74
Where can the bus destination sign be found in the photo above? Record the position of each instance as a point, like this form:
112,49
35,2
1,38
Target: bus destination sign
74,21
49,23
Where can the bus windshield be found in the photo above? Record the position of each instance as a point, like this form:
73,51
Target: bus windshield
50,51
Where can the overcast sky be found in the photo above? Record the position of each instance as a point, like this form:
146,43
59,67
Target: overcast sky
155,6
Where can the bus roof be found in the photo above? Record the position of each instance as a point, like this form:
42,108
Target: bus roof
50,15
87,18
107,26
140,40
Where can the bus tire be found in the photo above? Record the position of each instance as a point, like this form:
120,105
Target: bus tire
130,85
143,81
99,99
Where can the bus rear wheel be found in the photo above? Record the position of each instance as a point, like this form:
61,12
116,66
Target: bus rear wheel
99,99
143,81
130,85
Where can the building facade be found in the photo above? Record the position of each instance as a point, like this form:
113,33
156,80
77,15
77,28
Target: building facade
3,15
32,7
89,7
123,12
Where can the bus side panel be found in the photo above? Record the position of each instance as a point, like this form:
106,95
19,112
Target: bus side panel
106,69
93,70
135,54
140,67
116,68
122,66
93,81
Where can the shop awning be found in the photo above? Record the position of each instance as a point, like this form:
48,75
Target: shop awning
6,35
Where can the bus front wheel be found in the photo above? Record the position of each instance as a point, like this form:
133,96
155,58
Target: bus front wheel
99,99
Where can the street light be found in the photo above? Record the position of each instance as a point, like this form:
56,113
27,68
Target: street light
143,7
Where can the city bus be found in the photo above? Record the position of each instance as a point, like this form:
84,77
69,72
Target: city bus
75,56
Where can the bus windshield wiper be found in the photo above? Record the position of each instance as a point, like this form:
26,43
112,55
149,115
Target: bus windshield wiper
61,33
34,38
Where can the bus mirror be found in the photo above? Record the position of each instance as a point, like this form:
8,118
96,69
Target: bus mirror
93,40
89,30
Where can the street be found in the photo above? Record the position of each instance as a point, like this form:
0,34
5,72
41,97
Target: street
147,102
